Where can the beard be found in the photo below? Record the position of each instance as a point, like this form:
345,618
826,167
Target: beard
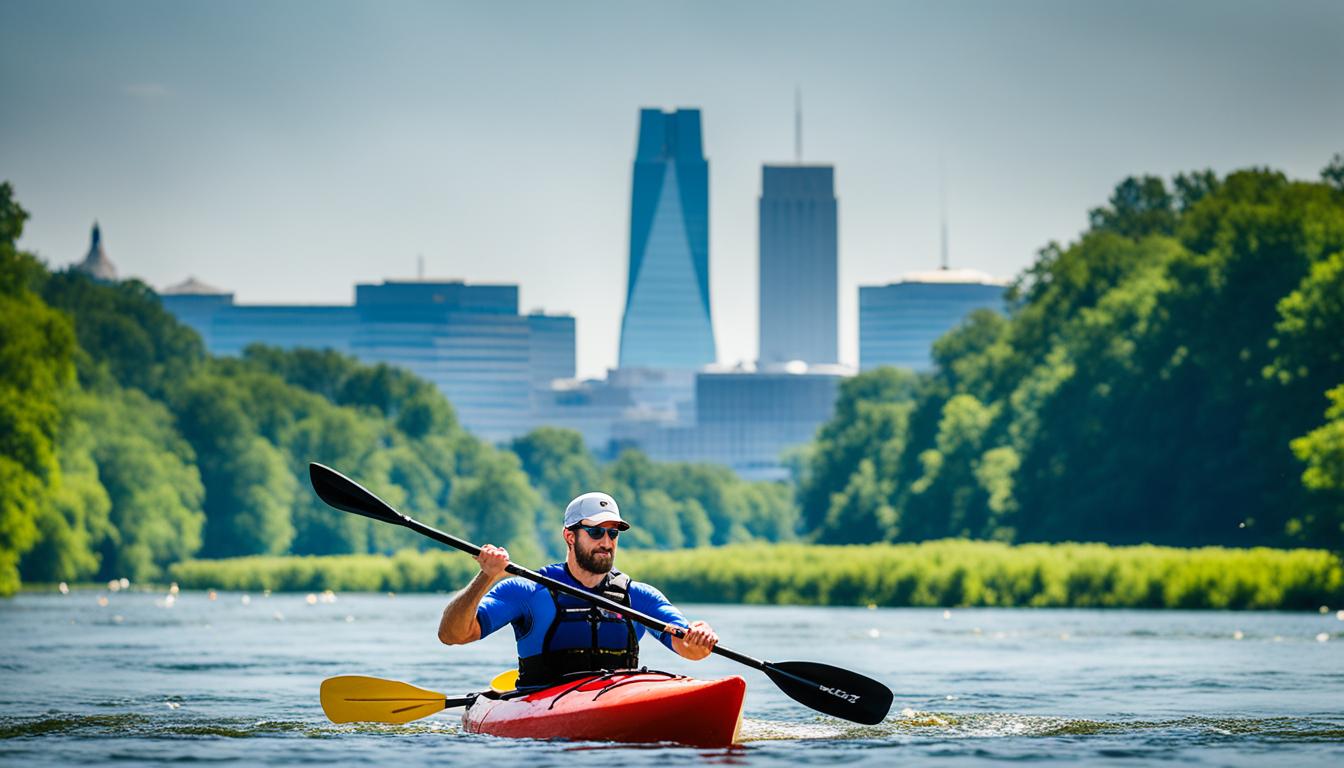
590,561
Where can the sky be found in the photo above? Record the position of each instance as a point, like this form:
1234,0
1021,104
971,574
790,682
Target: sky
288,150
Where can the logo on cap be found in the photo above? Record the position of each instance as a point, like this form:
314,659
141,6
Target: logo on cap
602,503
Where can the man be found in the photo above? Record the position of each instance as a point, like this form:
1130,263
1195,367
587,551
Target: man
559,634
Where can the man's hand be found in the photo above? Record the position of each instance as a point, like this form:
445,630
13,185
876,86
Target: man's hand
459,624
697,643
493,560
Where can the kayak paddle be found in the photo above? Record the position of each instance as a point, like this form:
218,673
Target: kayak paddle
831,690
505,681
359,699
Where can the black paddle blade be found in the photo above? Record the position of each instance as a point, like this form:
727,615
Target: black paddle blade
832,690
343,493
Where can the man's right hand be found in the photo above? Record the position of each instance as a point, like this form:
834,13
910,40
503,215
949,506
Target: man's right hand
493,560
459,624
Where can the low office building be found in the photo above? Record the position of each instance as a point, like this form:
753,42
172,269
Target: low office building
601,410
899,322
468,340
745,420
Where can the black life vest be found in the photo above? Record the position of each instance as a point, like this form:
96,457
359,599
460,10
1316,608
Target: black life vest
584,638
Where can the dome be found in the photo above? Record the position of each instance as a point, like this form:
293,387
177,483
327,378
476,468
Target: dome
96,263
193,287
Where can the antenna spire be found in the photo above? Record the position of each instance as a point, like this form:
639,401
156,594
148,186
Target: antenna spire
798,124
942,204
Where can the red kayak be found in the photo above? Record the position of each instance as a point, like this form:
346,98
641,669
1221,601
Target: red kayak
632,706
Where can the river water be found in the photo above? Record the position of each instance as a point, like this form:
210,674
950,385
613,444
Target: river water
234,681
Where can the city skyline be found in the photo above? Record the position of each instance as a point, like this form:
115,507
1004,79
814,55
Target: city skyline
286,153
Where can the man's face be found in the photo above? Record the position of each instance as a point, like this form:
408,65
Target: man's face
593,555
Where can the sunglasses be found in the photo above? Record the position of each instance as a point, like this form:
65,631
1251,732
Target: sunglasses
597,531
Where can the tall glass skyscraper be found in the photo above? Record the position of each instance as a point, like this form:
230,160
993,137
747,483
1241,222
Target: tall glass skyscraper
798,264
667,322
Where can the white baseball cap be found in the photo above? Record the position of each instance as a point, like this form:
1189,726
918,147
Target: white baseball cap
594,508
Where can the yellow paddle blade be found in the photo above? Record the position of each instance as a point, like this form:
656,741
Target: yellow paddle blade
358,699
505,681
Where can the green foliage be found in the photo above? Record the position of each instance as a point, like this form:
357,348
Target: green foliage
1138,208
37,350
249,490
124,448
1307,345
75,522
945,573
498,506
872,419
956,573
670,505
560,467
416,408
708,503
151,480
406,571
124,332
859,510
1322,450
558,463
1333,173
1145,386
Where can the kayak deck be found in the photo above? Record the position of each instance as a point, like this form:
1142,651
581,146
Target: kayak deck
636,706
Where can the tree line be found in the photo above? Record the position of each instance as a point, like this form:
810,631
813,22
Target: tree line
125,447
1174,376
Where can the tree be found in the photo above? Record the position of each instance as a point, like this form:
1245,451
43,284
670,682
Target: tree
125,332
557,462
37,350
73,526
353,443
499,507
767,508
872,409
947,499
1145,385
860,513
1322,450
249,490
1307,342
656,521
149,473
1333,173
1139,207
1193,187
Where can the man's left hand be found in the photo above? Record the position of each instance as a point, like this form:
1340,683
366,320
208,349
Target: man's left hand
697,643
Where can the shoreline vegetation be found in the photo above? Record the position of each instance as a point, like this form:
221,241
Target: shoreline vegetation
944,573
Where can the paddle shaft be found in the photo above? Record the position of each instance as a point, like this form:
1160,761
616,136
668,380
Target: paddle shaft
582,594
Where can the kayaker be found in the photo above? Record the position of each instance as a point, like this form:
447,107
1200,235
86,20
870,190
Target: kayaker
558,634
